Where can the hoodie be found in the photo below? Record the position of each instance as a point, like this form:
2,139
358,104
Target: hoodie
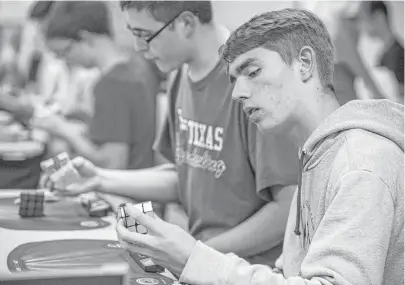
346,220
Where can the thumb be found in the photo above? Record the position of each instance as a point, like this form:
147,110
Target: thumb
152,224
84,187
83,166
79,162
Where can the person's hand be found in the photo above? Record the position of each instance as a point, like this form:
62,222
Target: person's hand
53,124
90,179
168,245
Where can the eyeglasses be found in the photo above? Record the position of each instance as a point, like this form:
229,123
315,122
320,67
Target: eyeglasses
142,41
62,53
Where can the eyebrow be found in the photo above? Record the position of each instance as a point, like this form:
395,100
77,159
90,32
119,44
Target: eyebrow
245,64
137,29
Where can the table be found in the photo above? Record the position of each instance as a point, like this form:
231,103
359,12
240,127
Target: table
14,242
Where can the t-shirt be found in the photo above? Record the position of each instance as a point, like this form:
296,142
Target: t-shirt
393,59
225,165
125,110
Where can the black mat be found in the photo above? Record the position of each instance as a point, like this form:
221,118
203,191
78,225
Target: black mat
70,254
62,215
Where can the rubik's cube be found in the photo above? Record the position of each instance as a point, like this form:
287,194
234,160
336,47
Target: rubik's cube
31,204
61,171
145,262
130,223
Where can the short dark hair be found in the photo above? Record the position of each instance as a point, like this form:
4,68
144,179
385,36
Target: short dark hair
285,32
69,18
374,7
40,9
163,11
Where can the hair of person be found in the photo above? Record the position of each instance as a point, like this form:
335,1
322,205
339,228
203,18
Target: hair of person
40,9
286,32
164,11
69,18
378,7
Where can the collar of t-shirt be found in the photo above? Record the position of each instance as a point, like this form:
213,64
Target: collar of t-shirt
207,80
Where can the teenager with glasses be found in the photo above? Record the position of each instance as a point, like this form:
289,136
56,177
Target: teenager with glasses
234,183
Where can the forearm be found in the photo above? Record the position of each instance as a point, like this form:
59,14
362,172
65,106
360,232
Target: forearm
251,237
157,184
208,266
16,107
82,146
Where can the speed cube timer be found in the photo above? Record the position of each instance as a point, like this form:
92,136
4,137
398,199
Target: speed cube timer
32,204
98,208
146,263
130,223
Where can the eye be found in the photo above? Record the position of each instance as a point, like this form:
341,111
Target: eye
232,79
254,73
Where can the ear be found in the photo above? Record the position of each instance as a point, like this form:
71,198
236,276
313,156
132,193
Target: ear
188,22
307,60
86,36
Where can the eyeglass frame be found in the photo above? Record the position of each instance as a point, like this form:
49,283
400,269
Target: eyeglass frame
154,35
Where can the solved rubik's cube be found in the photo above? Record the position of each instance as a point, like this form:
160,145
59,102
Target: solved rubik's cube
61,171
130,223
32,204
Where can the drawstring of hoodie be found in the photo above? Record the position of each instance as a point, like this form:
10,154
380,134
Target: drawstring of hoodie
301,155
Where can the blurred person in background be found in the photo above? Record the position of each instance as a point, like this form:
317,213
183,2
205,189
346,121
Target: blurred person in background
45,74
376,20
122,129
342,19
52,80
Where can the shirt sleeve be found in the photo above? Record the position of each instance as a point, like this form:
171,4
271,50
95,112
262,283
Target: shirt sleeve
273,157
164,142
111,121
349,247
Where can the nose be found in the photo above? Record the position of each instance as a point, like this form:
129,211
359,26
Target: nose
140,45
241,90
147,55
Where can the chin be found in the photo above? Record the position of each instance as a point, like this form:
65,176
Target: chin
165,68
270,125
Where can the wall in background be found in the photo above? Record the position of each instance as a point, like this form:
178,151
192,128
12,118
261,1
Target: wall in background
13,11
234,13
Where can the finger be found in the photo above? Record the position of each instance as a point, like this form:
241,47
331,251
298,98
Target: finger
131,237
151,224
45,182
77,189
50,185
79,162
135,248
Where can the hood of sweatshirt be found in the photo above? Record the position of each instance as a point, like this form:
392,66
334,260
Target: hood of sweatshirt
381,117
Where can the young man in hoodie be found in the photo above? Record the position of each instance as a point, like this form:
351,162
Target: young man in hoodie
346,220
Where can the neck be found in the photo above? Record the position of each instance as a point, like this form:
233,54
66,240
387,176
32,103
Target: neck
310,114
387,38
205,55
109,56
